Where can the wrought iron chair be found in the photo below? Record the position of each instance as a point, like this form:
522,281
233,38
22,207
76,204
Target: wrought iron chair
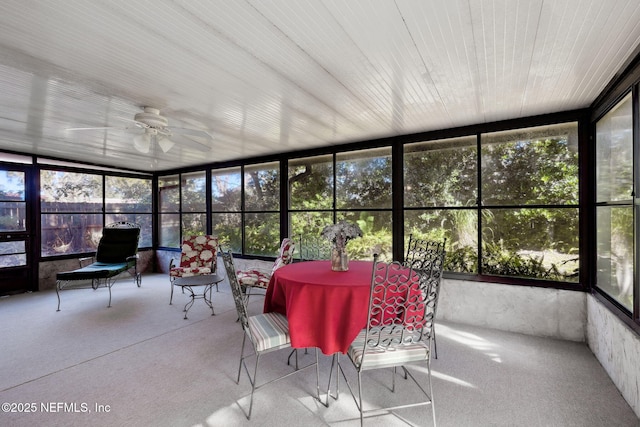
427,257
259,279
266,332
116,253
313,248
398,333
199,256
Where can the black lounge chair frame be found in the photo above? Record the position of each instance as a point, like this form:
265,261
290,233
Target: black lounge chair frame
117,252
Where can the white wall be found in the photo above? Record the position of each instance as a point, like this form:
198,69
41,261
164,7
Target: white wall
529,310
617,347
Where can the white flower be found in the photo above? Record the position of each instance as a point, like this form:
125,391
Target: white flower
339,234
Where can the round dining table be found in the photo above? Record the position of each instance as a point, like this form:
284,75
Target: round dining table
325,308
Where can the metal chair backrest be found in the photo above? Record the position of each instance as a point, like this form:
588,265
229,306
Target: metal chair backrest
427,259
236,291
119,242
398,312
420,251
314,249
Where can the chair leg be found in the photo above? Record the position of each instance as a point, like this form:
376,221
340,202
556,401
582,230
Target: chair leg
108,284
58,294
435,344
318,379
253,385
244,339
433,408
360,398
393,379
171,297
294,351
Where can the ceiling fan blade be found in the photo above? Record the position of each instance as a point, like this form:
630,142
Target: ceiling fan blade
96,128
192,142
191,132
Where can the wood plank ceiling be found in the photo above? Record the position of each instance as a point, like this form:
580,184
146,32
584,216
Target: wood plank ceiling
270,76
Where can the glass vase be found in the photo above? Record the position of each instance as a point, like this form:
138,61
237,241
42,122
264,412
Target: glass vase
339,260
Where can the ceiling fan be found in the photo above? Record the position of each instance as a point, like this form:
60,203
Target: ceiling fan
156,130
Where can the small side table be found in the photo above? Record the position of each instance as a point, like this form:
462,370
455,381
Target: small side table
205,280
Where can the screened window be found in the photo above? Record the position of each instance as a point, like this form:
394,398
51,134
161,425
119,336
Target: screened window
71,205
12,201
614,203
529,194
226,207
363,196
194,203
441,191
262,209
311,201
169,215
75,206
129,200
12,217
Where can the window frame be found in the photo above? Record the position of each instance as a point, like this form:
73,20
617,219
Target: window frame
64,167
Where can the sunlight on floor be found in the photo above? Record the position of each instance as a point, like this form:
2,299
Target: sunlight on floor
445,377
470,340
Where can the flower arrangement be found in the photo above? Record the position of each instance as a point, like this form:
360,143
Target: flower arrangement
339,234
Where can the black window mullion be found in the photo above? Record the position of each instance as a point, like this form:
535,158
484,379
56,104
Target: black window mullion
479,198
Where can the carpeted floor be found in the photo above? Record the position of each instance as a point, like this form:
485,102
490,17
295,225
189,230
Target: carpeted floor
139,363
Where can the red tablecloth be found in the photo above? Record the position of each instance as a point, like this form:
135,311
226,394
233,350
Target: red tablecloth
325,309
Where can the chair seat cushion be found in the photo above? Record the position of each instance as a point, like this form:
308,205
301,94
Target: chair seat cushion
269,331
97,270
188,271
254,278
381,357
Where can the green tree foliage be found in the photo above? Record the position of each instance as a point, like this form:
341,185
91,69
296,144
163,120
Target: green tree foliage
538,242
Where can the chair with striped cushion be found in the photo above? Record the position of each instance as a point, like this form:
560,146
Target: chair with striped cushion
266,332
198,257
398,333
259,279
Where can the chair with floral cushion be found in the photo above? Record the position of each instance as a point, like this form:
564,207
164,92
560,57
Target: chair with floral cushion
257,278
198,257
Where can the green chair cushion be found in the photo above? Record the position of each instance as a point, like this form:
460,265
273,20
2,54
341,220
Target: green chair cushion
97,270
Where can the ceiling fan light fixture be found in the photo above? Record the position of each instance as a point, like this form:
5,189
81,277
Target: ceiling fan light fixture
165,143
142,142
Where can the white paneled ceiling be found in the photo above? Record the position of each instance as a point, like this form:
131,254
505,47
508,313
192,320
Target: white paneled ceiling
269,76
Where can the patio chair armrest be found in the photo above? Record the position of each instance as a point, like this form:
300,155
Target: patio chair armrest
84,261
